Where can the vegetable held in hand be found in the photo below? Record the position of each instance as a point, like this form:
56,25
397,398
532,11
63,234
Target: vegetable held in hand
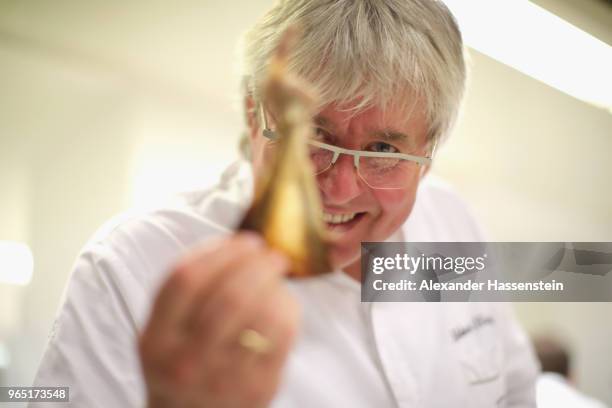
286,208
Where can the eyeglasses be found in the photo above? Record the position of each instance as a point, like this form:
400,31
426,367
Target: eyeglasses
377,169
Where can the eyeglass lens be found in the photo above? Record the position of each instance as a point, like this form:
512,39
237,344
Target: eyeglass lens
377,172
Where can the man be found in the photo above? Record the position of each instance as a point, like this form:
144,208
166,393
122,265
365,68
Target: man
174,308
555,386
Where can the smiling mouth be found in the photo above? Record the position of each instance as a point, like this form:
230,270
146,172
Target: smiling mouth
342,222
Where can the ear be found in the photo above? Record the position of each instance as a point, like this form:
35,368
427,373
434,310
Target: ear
251,116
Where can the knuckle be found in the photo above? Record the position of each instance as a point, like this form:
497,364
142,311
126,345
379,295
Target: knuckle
288,330
247,241
288,318
218,387
278,262
232,301
266,276
285,323
182,276
149,348
258,393
179,374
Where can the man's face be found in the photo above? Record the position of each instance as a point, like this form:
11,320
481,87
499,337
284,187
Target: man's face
375,214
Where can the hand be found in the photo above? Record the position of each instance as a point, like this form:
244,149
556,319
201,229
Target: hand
190,348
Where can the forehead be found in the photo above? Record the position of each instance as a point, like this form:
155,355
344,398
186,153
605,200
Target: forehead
398,118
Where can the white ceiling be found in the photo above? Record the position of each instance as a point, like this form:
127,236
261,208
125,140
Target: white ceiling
167,45
186,48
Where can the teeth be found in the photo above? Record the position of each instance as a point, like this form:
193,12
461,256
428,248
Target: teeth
338,218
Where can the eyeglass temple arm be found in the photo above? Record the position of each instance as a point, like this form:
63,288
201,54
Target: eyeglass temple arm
267,132
270,134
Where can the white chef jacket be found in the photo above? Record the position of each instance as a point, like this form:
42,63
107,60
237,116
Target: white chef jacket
347,353
554,391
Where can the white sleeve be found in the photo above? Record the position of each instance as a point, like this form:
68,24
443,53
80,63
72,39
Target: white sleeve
521,368
92,347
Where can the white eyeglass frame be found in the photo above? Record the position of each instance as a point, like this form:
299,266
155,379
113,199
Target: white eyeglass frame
421,160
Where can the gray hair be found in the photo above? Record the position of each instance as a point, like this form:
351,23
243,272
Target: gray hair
377,52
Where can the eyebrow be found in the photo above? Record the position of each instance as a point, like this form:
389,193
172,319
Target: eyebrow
386,134
392,135
323,122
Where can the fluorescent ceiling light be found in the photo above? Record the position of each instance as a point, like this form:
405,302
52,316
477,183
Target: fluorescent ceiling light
16,263
539,44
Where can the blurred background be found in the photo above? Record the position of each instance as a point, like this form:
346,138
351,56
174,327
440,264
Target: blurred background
108,105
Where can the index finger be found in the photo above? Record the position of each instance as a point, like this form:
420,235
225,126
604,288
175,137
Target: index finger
195,271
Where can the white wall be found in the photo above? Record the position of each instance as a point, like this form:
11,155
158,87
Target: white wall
546,157
534,165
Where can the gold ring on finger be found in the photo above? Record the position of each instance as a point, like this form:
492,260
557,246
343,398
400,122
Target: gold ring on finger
254,341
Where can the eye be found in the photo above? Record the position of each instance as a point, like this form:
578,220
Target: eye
382,147
322,135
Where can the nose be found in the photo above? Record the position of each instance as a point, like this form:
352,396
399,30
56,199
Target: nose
341,183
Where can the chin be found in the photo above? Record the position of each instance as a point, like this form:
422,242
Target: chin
343,256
